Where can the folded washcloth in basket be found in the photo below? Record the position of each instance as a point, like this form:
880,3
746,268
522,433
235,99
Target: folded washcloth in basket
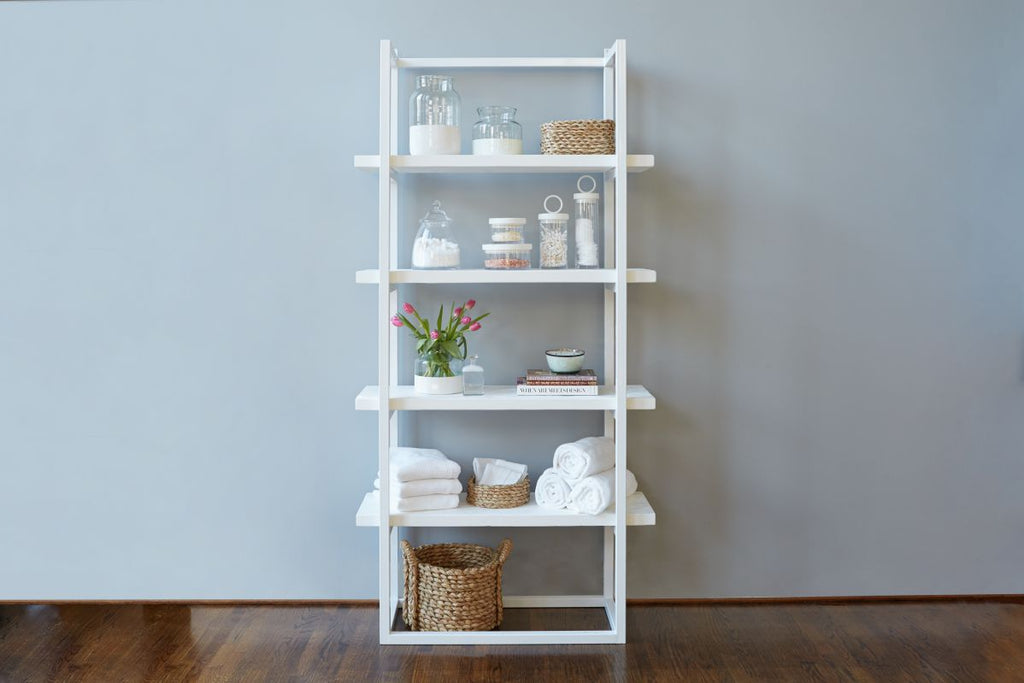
410,464
595,493
580,459
552,490
421,487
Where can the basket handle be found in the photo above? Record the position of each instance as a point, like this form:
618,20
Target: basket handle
503,551
411,605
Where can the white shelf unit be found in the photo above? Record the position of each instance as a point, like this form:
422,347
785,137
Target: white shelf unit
615,398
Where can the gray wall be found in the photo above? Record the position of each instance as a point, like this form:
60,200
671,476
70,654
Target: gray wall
836,338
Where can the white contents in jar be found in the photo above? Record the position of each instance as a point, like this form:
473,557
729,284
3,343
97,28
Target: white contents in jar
553,246
434,139
434,252
507,236
497,146
586,246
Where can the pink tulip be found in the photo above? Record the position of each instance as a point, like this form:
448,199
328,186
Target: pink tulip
396,321
434,334
474,327
457,312
409,309
470,304
466,320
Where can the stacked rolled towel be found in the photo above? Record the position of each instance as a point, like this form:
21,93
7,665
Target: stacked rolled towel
422,479
582,477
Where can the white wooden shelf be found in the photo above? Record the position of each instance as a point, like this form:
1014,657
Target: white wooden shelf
638,513
513,163
482,276
502,62
503,397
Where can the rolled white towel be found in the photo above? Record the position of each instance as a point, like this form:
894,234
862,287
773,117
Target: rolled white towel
410,464
595,493
422,487
552,490
580,459
437,501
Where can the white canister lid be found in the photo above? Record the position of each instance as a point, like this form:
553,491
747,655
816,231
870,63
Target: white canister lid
508,247
589,195
552,216
507,221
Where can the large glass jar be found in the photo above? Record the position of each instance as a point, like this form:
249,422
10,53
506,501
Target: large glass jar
497,131
587,226
435,246
434,111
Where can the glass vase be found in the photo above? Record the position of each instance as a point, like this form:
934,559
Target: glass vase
437,372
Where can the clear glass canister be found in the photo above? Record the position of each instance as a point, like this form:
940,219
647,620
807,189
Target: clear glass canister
434,111
497,131
587,228
435,245
473,377
554,235
512,256
507,229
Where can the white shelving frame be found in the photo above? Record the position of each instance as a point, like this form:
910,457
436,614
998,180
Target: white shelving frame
615,397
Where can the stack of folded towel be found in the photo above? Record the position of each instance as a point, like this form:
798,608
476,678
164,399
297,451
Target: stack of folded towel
582,477
422,479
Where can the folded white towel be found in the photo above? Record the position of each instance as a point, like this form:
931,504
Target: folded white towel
580,459
552,490
437,501
421,487
497,472
410,464
595,493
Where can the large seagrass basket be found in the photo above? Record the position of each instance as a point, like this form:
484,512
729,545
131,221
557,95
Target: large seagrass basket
453,586
580,136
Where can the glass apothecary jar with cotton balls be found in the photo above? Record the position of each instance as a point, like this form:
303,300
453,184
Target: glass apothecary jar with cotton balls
586,227
497,131
435,246
434,113
554,234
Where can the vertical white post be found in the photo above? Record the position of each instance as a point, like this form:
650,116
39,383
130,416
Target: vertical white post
621,176
385,337
608,245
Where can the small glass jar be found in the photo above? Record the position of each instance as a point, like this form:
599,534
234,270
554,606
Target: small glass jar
434,111
497,131
511,256
587,228
507,229
554,235
435,246
472,377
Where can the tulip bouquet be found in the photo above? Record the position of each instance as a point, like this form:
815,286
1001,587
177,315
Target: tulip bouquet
437,346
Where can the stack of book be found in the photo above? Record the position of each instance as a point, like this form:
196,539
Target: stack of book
546,383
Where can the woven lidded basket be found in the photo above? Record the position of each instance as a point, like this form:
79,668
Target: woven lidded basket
453,586
501,496
580,136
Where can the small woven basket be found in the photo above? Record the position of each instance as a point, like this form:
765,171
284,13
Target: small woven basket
453,586
581,136
498,497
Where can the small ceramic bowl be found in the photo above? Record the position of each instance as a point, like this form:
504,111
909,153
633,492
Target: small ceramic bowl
565,360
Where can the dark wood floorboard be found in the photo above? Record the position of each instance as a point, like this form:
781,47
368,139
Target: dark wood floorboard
904,641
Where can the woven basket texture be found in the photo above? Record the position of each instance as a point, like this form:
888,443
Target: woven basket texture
498,497
453,586
580,136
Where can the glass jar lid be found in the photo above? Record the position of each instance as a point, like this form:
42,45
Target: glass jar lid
552,214
507,221
435,216
586,195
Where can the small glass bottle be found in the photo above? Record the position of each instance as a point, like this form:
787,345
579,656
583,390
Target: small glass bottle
587,227
435,245
554,235
497,131
472,377
434,112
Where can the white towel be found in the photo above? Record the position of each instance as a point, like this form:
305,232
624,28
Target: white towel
421,487
497,472
580,459
552,490
410,464
434,502
594,494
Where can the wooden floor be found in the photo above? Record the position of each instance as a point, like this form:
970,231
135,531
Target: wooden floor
902,641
